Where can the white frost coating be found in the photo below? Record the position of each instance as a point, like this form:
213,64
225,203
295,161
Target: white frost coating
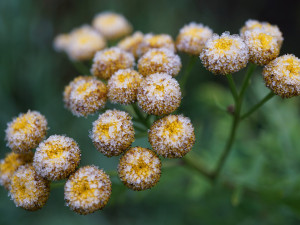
132,43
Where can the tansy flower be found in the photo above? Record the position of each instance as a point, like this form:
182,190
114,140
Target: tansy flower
282,76
132,43
85,95
87,190
192,37
172,136
56,158
111,25
139,168
225,54
26,131
61,42
10,164
262,47
123,86
109,61
159,61
113,132
159,94
151,41
28,190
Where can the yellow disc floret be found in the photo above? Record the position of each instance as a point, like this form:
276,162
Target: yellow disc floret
192,38
87,190
159,94
225,54
282,76
10,164
123,86
85,95
113,132
132,43
172,136
57,157
109,61
159,61
29,190
26,131
139,168
111,25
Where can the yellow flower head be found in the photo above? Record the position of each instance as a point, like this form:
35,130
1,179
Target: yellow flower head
172,136
113,132
151,41
132,43
85,95
225,54
159,94
61,42
263,47
282,76
111,25
87,190
26,131
192,38
139,168
109,61
123,86
10,164
159,61
28,190
262,27
56,158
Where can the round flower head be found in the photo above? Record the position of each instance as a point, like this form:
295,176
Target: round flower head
151,41
26,131
85,95
29,190
113,132
123,86
139,168
10,164
282,76
172,136
87,190
132,43
56,158
262,47
262,27
225,54
83,43
159,94
109,61
111,25
192,38
61,42
159,61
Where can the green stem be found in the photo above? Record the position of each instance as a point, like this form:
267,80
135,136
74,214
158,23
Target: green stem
184,78
140,116
196,165
258,105
56,185
247,79
81,68
232,87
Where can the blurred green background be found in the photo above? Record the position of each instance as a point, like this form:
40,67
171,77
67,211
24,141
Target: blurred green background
260,183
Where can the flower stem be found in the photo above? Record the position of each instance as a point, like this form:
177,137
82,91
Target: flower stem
246,82
232,87
81,68
184,77
140,115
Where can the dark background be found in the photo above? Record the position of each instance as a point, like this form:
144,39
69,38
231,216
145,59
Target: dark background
260,183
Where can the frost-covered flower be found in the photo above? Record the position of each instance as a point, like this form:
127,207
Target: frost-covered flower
159,61
26,131
139,168
109,61
123,86
85,95
132,43
111,25
159,94
57,157
10,164
29,190
87,190
192,38
282,76
172,136
61,42
225,54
